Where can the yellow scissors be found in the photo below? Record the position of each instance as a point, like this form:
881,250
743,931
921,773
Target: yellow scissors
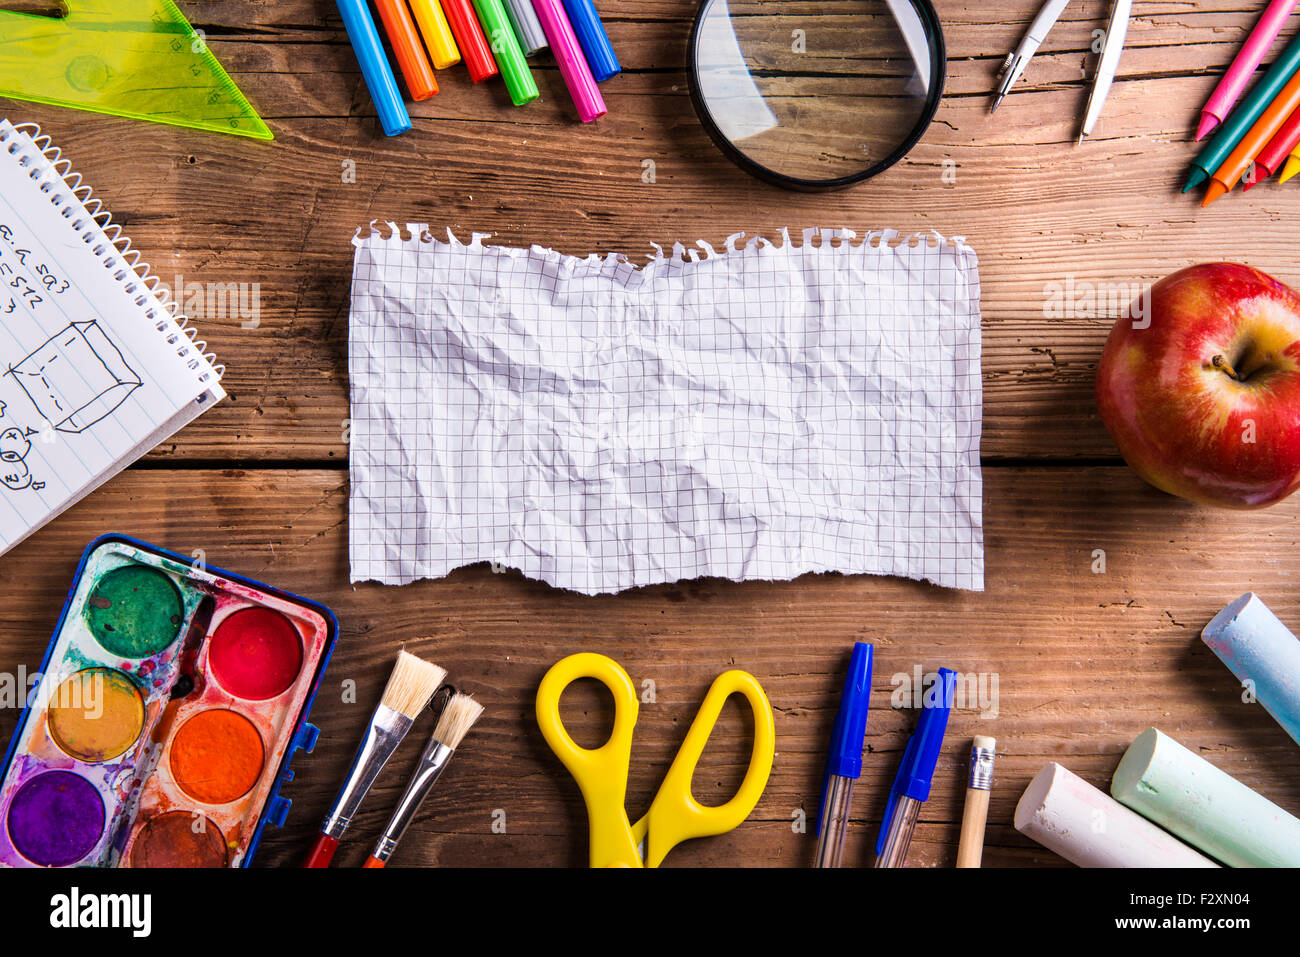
601,773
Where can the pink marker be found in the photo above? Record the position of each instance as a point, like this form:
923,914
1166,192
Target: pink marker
1225,95
572,62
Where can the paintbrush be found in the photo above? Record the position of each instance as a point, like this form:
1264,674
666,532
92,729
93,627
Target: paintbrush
455,721
409,689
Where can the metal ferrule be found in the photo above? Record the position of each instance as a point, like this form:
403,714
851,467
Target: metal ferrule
387,728
981,768
434,759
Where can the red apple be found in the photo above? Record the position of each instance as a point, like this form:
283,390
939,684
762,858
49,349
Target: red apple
1204,401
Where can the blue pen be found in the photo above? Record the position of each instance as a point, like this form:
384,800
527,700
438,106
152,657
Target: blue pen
374,66
912,786
593,39
844,762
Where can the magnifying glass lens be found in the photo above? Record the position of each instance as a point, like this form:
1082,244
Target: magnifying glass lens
816,95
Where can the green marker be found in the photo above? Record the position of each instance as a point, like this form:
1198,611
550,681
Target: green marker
505,47
1241,119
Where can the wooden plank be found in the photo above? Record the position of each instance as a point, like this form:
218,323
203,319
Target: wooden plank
1084,660
217,211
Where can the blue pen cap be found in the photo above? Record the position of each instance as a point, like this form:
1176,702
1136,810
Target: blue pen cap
923,749
922,752
845,755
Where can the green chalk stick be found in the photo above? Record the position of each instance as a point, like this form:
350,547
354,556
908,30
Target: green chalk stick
1209,809
1240,120
505,47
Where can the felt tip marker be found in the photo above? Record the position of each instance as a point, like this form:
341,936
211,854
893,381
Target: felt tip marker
593,39
509,54
408,49
437,33
912,785
844,760
474,49
568,56
527,27
374,66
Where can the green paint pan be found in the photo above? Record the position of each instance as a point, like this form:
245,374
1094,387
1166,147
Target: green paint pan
139,59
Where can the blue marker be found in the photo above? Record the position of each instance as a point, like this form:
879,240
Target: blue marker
374,66
912,785
844,762
593,39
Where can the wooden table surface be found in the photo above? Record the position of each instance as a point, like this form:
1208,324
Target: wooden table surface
1083,660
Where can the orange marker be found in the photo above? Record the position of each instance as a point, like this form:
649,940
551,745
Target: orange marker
1256,138
406,45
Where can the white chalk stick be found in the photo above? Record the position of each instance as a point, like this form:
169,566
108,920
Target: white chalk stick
1258,648
1206,807
1066,814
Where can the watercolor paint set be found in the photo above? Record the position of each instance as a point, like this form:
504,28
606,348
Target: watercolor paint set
172,699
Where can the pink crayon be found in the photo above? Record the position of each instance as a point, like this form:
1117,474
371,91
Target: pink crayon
572,62
1225,95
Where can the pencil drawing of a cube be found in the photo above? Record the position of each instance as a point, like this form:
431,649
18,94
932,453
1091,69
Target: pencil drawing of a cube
76,378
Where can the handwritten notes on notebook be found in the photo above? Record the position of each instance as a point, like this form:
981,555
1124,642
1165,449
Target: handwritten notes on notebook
94,369
753,413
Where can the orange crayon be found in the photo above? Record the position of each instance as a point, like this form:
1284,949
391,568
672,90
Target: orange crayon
1257,137
1272,156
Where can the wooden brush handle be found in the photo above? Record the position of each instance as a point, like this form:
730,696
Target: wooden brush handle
322,852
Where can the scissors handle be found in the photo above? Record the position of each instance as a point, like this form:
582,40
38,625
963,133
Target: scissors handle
675,815
601,772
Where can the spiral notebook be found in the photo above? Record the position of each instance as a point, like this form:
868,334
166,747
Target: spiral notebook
95,368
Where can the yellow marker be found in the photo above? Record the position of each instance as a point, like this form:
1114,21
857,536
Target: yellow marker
436,32
1292,167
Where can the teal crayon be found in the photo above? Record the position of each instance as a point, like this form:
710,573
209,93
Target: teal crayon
1241,119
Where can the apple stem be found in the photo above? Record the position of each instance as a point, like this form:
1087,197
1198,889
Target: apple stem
1223,365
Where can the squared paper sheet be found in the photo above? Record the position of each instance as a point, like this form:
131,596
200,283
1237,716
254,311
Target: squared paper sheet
756,412
94,370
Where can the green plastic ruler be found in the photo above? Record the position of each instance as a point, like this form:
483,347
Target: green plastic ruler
135,58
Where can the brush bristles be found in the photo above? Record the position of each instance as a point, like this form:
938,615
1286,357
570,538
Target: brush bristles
456,719
412,684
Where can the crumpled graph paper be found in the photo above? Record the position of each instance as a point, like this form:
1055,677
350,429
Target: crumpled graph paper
755,412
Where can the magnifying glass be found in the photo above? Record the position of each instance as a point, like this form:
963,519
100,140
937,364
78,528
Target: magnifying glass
816,96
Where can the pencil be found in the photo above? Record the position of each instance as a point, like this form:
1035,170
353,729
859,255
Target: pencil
970,848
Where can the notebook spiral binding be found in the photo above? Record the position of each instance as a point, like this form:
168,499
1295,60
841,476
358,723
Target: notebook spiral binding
137,278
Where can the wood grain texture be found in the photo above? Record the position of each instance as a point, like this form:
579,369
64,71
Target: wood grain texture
1037,209
1084,661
